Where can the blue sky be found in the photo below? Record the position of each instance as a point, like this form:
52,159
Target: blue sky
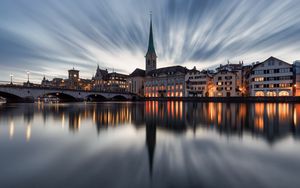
51,36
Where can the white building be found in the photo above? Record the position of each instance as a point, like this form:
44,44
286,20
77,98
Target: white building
297,78
198,83
273,77
228,81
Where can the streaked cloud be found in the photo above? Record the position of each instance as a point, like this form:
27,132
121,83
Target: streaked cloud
51,36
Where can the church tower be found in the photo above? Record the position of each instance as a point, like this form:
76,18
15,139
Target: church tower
151,55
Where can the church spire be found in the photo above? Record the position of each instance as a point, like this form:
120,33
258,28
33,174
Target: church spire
151,54
151,49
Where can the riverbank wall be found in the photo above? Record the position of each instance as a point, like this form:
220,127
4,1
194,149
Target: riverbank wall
226,99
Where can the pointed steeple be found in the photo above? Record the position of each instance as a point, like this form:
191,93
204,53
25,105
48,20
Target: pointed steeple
151,54
151,49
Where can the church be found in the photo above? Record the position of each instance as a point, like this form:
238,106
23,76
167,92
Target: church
157,82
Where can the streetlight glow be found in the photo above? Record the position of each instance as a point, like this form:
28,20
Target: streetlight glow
11,78
28,76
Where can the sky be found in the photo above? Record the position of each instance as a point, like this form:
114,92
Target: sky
51,36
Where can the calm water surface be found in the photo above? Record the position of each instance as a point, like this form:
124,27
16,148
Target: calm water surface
151,144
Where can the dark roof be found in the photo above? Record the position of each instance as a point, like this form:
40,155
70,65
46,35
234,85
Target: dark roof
225,71
117,74
274,58
270,58
101,72
230,66
194,70
151,49
166,70
138,72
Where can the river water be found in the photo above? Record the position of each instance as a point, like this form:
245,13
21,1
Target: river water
150,144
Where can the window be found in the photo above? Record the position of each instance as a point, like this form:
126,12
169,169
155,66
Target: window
259,94
259,79
271,93
259,72
283,93
284,85
284,70
259,86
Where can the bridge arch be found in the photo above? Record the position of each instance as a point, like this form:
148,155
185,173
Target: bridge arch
63,97
96,98
9,97
119,98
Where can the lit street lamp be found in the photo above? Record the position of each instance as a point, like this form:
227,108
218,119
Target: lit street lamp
28,76
11,79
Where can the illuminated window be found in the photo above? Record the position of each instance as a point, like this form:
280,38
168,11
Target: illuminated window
259,79
271,93
283,93
259,94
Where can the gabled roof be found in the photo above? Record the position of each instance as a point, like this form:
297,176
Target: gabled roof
138,72
166,70
101,72
269,59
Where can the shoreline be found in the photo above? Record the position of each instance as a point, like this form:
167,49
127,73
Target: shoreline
227,99
285,99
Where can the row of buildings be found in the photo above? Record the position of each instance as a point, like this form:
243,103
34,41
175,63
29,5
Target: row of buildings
101,81
272,77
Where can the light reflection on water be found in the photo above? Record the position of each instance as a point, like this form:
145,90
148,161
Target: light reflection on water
151,144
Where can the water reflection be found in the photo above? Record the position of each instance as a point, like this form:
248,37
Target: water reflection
271,121
34,143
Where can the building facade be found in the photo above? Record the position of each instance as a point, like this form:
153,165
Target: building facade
273,77
72,82
116,82
296,78
228,81
166,82
198,83
136,82
99,80
109,82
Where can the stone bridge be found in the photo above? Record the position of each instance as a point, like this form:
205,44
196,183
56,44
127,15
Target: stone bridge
30,94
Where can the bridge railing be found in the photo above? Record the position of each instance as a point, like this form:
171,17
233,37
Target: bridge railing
4,83
26,85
